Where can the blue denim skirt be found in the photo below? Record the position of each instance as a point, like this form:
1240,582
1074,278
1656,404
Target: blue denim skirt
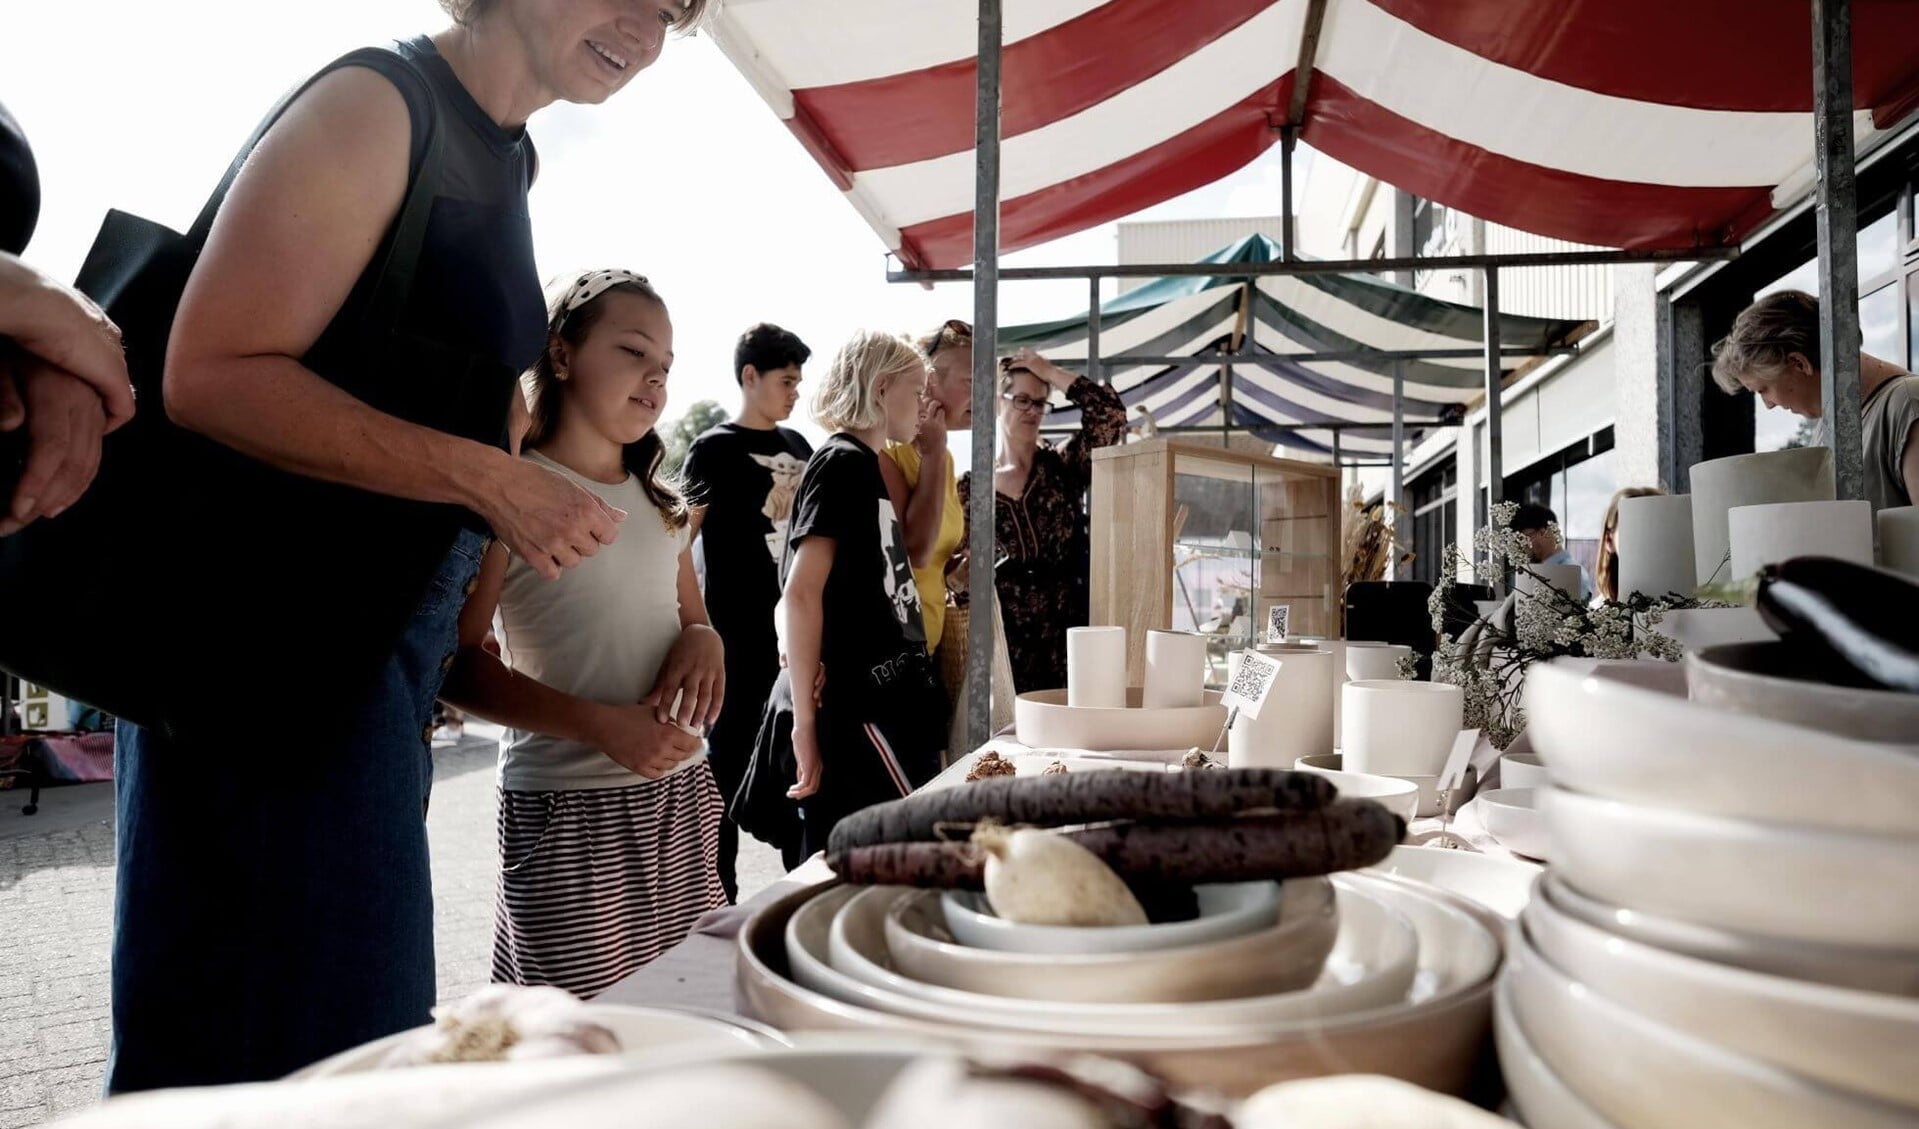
273,902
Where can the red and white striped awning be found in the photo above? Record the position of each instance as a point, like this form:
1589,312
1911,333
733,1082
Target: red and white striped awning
1628,123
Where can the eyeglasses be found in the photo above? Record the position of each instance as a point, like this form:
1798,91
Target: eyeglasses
955,329
1024,403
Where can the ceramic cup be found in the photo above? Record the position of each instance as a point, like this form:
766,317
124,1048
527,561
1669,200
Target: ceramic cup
1398,728
1096,667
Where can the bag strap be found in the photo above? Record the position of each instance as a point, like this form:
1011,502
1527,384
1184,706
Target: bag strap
408,234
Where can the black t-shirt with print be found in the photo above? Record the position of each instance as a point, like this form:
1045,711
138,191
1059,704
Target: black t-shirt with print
874,639
746,478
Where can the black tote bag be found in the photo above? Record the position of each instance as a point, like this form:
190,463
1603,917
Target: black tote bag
94,604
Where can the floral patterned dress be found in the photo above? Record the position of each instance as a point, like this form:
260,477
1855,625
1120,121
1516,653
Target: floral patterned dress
1043,542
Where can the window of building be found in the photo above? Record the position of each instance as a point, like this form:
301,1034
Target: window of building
1433,498
1577,485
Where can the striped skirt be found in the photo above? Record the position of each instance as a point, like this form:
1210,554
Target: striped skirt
595,883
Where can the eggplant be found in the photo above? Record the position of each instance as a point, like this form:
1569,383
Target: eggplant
1866,619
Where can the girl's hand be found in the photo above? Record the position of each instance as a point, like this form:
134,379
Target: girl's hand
64,419
806,750
695,673
1025,357
931,439
639,742
544,518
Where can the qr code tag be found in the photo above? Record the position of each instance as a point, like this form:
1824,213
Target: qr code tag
1251,683
1278,619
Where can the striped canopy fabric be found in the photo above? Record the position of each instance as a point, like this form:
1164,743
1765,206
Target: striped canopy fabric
1319,313
1644,124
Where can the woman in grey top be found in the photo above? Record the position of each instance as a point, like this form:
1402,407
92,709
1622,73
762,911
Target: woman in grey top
1773,351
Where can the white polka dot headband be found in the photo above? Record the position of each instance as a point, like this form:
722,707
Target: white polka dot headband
590,286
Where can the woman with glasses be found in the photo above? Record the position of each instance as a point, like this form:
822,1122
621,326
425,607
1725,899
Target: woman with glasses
1039,504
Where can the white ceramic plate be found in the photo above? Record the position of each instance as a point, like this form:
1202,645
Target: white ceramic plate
1283,958
1500,884
1226,910
1399,795
1543,1100
1804,884
1640,1073
1511,816
640,1031
1603,735
1373,963
1861,1042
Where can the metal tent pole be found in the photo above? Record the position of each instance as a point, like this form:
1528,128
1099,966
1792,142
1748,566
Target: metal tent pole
980,548
1093,369
1837,222
1287,136
1398,507
1495,462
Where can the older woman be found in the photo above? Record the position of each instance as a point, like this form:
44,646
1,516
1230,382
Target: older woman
1773,352
1606,569
274,901
1039,501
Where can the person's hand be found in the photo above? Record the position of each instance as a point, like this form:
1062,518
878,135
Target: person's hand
1025,357
640,742
65,419
806,752
931,440
695,674
65,329
544,518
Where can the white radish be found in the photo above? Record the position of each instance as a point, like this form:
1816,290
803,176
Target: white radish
1036,877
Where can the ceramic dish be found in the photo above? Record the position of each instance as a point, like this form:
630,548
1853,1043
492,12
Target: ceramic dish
1511,816
640,1030
1226,910
1433,1041
1284,957
1401,797
1861,1042
1802,884
1603,735
1644,1074
1542,1099
1501,885
1522,770
1043,720
1372,965
1708,627
1430,801
1764,680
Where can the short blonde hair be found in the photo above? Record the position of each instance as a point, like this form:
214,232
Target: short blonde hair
1764,335
466,12
849,398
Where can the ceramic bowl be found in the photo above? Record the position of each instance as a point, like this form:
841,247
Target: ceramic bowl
1430,801
1503,886
1231,909
1434,1039
1766,680
1862,1042
1523,770
1043,720
1794,883
1401,797
1541,1097
1637,1072
1512,817
1708,627
1287,956
1372,965
1891,971
1603,735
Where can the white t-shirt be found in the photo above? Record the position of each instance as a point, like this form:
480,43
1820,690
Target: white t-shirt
599,632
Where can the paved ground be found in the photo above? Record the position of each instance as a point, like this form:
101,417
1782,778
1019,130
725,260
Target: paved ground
56,911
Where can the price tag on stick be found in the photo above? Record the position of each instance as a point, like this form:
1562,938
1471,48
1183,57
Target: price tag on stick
1252,681
1454,774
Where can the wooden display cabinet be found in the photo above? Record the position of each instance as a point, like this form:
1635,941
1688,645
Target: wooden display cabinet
1206,539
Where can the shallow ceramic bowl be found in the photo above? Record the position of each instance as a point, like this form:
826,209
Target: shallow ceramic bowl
1764,680
1603,735
1226,910
1862,1042
1372,965
1433,1040
1637,1072
1502,885
1511,816
1522,770
1430,801
1695,628
1541,1096
1287,956
1043,720
1795,883
1399,794
1891,971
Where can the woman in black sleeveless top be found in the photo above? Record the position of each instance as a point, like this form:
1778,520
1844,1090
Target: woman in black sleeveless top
274,902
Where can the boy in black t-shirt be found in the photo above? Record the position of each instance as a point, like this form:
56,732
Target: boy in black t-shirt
742,477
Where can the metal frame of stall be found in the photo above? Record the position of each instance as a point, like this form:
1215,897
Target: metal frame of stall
1836,221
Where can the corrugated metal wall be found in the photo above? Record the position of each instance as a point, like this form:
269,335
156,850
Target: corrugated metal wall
1185,241
1556,292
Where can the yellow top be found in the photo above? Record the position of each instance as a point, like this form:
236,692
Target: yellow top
931,580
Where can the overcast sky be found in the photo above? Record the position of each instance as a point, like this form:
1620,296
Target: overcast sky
686,176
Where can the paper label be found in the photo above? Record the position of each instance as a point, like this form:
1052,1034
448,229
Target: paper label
1251,683
1278,617
1454,774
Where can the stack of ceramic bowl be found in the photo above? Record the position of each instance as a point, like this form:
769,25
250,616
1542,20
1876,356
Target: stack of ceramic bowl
1359,972
1729,934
